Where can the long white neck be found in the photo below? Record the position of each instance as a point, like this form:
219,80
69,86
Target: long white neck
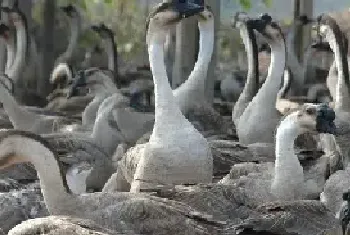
252,83
53,187
268,91
18,115
342,97
288,171
194,86
167,112
19,62
10,48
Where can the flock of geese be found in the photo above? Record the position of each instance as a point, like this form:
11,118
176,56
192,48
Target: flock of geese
105,158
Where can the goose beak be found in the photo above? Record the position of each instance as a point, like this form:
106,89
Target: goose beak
325,120
321,46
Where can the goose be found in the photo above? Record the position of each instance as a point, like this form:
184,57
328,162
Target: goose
288,180
190,95
127,121
74,14
249,128
337,143
335,38
110,210
107,36
161,149
252,82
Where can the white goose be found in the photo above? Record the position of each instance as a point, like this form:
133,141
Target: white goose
191,95
252,82
163,161
74,14
257,125
287,180
339,181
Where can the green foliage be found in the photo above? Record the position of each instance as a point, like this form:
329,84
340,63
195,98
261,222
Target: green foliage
247,4
268,3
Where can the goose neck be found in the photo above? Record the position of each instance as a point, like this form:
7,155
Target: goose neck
197,79
10,51
286,133
16,68
342,98
52,181
288,178
275,70
252,82
75,31
18,115
165,107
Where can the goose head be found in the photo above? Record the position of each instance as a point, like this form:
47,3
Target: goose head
314,119
92,79
329,30
165,16
103,30
15,16
206,18
69,10
269,29
61,75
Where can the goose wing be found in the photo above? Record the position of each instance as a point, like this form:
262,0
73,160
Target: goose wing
297,218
